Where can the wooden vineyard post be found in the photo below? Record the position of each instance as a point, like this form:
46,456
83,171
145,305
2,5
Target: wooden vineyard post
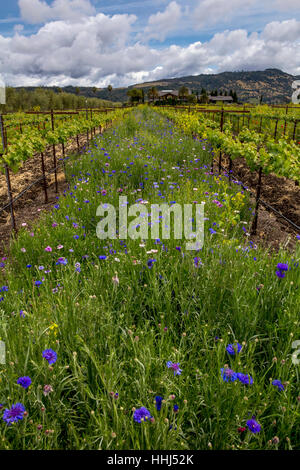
64,163
54,153
77,140
221,129
294,133
258,191
260,125
275,131
9,192
87,132
286,111
44,178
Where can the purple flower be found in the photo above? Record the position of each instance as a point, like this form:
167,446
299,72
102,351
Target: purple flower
141,414
102,257
62,261
277,383
233,348
158,400
175,367
150,263
25,382
280,274
50,356
47,389
253,426
282,266
15,413
197,262
228,375
244,378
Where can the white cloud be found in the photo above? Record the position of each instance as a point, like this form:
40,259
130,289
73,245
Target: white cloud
38,11
161,23
210,12
99,50
285,31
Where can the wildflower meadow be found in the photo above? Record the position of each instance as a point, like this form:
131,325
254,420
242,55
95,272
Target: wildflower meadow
139,343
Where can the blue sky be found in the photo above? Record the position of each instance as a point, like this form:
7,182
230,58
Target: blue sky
96,42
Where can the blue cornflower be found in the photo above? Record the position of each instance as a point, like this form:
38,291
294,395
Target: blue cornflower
141,414
175,367
102,257
175,408
277,383
212,231
38,283
244,378
233,348
253,426
62,261
50,356
228,375
25,382
282,266
15,413
150,263
281,269
158,400
197,262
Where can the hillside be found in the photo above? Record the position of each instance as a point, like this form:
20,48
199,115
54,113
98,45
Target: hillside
273,84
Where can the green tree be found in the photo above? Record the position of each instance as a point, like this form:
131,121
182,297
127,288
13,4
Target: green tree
152,93
183,92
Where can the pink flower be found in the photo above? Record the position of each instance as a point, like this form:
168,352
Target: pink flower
23,250
48,248
47,389
60,247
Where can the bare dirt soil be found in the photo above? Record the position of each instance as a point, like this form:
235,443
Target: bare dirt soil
30,205
281,193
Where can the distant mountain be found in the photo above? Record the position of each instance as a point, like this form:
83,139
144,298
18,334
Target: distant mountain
273,84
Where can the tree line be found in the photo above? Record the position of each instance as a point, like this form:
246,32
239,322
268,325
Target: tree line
137,95
42,99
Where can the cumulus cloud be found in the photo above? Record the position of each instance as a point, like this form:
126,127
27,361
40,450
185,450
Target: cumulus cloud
38,11
99,50
161,23
285,31
210,12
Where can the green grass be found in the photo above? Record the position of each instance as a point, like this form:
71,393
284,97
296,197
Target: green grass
117,338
